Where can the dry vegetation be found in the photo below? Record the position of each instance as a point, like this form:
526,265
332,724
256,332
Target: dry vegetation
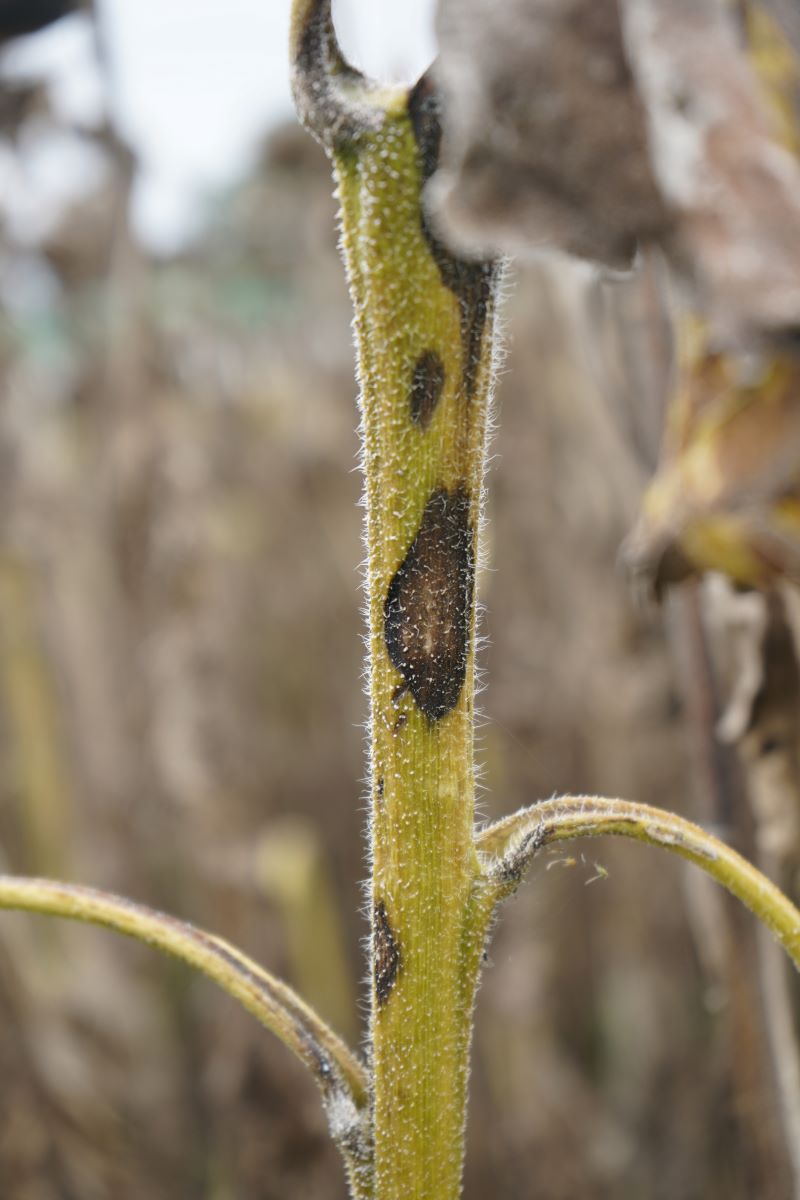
181,720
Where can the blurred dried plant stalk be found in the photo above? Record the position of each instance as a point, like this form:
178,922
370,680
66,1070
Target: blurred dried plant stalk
544,135
597,126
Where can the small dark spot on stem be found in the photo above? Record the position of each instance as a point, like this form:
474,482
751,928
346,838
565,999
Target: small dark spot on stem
386,951
322,1066
426,387
513,865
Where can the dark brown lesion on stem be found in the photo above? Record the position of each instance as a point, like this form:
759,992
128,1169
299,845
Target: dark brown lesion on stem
472,281
386,953
427,384
429,602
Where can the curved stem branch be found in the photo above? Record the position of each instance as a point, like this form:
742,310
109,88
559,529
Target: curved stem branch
332,98
340,1076
511,843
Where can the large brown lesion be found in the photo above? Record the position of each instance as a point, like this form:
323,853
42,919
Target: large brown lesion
386,952
428,604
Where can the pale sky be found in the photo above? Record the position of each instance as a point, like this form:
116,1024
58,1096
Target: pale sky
194,84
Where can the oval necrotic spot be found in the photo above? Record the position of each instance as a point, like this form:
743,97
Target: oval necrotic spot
426,387
427,607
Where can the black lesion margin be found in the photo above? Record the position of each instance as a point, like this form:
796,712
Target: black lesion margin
428,604
471,281
386,953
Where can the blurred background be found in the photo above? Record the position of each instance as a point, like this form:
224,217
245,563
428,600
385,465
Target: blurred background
181,701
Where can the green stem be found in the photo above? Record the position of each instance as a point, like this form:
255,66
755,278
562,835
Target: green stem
423,480
510,844
425,337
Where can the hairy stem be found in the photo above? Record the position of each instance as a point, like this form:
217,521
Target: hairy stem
510,844
423,425
425,336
